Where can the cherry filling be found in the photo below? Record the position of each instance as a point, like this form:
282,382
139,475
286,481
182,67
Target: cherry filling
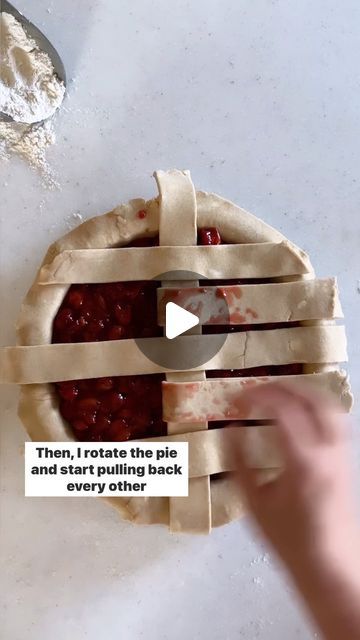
124,407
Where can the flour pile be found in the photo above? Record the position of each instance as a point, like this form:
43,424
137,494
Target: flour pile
30,91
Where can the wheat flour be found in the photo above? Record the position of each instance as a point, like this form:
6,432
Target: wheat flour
29,142
30,92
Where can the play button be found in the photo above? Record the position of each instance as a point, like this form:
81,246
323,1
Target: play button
173,350
178,320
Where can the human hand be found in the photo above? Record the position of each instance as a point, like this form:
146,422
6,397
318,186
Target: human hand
308,512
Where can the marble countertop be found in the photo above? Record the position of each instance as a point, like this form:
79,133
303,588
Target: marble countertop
260,100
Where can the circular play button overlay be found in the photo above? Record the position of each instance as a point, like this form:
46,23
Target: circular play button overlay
191,311
178,320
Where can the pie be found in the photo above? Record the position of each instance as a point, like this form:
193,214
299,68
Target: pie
98,291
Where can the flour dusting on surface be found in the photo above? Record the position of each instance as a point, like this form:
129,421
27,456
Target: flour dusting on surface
74,219
30,143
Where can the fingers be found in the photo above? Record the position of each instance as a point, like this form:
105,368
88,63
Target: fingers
259,488
294,427
327,415
303,416
304,421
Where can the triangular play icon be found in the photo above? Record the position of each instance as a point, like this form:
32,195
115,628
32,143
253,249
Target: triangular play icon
178,320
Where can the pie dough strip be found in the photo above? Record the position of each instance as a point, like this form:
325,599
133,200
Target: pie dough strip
177,208
212,451
178,219
220,399
243,350
255,304
264,260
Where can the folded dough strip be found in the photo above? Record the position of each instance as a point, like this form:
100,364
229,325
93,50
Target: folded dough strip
256,303
211,451
262,260
220,399
178,220
243,350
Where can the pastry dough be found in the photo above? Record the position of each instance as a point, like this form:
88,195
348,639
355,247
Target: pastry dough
226,261
93,253
178,220
77,361
212,451
220,399
256,304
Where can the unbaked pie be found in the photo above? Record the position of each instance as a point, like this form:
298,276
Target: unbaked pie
98,292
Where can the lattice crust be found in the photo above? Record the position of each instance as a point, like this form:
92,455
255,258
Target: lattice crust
93,253
77,361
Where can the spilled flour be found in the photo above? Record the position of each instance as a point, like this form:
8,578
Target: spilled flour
29,142
30,92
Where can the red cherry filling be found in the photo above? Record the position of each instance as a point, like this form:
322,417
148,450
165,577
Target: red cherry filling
209,236
123,407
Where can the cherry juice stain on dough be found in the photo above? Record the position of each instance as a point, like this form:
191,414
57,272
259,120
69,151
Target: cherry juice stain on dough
123,407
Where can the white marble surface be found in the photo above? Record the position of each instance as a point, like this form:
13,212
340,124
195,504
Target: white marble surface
261,101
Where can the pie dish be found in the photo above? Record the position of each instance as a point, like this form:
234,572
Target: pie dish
83,376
